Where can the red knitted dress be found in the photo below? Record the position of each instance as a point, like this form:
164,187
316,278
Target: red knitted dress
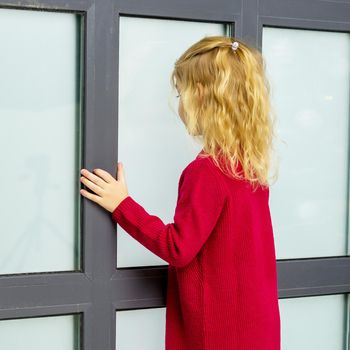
222,280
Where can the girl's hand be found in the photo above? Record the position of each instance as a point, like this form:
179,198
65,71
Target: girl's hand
109,191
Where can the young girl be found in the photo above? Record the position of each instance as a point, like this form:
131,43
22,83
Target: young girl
222,283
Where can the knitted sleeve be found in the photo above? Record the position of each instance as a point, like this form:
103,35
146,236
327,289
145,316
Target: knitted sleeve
200,201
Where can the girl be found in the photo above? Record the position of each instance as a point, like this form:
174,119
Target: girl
222,283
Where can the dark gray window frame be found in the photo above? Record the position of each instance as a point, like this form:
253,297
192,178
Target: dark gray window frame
99,289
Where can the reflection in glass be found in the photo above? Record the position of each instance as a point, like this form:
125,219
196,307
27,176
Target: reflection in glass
39,141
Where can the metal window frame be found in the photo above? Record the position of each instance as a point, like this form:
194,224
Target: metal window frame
100,289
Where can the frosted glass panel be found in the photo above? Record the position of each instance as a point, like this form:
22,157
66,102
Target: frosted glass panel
39,141
314,323
41,333
310,94
153,143
147,324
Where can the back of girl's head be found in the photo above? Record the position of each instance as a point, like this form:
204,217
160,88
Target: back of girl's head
226,101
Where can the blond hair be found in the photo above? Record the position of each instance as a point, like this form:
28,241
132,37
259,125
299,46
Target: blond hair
233,115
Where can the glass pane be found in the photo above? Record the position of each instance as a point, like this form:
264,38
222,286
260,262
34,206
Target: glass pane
309,200
39,141
150,325
314,323
41,333
153,143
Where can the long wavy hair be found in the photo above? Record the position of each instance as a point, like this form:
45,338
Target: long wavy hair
231,113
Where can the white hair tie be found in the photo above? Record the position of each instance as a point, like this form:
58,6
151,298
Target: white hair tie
235,45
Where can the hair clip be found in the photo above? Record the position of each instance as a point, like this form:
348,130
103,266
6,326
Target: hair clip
234,45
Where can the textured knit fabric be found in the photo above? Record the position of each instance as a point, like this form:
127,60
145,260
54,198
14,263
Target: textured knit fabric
222,283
